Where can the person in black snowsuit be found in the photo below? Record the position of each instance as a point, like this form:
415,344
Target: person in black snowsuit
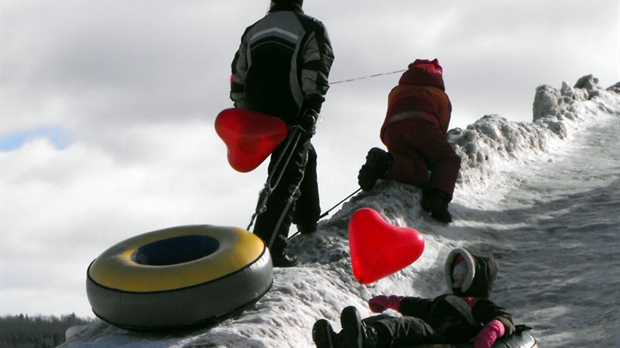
463,316
281,69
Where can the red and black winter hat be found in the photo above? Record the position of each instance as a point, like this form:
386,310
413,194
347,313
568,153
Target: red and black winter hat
424,72
431,66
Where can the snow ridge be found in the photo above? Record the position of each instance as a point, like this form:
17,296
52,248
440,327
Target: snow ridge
323,283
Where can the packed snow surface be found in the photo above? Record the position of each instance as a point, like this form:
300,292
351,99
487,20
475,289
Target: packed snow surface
542,197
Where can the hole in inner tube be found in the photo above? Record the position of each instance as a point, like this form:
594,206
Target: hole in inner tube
175,250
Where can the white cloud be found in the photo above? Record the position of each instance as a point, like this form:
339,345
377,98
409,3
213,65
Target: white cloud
62,208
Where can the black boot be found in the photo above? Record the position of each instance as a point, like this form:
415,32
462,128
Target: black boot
307,228
323,335
353,329
435,201
284,260
378,164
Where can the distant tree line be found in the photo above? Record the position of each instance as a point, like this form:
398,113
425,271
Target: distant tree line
23,331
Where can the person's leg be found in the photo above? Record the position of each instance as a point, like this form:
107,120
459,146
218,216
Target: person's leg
409,166
307,207
378,163
353,330
273,224
323,335
441,159
444,165
402,331
416,142
419,146
384,331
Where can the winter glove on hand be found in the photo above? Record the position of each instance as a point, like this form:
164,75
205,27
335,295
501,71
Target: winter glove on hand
307,121
491,332
309,113
382,302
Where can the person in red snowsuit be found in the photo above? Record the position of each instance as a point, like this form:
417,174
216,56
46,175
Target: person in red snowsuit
465,315
414,132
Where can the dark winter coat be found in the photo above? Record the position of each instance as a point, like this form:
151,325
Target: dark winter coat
460,316
282,64
454,318
281,69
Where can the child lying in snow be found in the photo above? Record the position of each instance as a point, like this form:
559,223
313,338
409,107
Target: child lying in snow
466,315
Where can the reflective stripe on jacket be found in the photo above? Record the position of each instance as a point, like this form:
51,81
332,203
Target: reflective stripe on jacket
414,101
283,59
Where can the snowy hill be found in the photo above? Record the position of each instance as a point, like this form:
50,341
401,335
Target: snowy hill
501,161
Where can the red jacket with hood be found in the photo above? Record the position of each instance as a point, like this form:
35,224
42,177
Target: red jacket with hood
420,94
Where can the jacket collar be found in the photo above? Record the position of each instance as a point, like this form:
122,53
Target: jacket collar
286,7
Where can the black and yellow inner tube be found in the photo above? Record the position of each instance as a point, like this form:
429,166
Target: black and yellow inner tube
179,276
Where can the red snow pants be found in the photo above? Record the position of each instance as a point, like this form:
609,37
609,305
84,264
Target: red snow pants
419,146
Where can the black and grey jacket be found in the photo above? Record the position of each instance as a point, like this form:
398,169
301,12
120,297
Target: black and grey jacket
282,64
462,314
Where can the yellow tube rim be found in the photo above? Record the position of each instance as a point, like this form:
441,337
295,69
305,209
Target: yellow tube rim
116,269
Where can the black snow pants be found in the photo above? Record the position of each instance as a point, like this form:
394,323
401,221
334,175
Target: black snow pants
296,197
402,331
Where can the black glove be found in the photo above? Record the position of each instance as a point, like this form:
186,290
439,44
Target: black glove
307,122
309,114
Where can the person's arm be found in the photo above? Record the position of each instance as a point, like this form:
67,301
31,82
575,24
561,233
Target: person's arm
497,322
445,113
239,69
410,306
317,58
416,307
381,303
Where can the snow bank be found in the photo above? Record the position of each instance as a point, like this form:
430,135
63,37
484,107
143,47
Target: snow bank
323,283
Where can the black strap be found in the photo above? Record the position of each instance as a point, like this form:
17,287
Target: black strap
277,171
330,209
522,328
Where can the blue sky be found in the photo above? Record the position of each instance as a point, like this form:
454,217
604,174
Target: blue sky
56,135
